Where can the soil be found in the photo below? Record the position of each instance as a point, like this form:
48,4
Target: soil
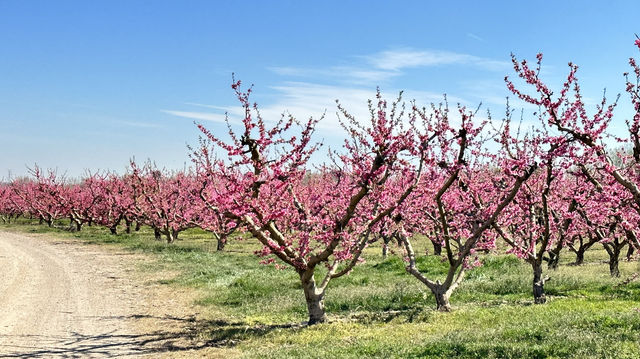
62,298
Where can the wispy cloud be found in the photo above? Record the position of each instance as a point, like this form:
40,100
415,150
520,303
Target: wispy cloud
385,65
351,74
207,106
351,84
200,116
474,36
139,124
303,100
396,60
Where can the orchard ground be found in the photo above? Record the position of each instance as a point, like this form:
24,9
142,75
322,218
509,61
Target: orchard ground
247,309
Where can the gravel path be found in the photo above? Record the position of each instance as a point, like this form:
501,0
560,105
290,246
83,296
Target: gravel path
64,299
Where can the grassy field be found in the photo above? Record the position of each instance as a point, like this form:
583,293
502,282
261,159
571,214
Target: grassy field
380,311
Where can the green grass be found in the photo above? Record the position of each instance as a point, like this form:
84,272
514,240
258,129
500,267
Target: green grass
380,311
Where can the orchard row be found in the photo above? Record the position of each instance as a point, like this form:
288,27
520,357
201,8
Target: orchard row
408,174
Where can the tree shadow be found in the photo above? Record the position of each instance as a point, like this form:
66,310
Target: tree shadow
183,334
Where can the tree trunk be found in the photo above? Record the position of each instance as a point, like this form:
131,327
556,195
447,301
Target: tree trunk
613,267
630,252
442,299
538,283
437,248
613,249
221,244
75,224
314,298
385,245
614,260
128,226
114,229
171,235
157,234
579,256
554,257
222,241
137,226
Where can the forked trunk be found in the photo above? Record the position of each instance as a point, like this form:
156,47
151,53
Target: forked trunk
314,298
442,299
538,283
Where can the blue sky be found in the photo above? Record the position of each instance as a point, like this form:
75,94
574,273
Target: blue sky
88,84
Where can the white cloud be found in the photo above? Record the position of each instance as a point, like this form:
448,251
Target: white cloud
348,74
396,60
201,116
474,36
139,124
303,100
385,65
352,84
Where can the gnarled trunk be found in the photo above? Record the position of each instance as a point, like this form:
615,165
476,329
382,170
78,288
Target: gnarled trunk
442,299
614,270
538,283
583,246
314,297
613,249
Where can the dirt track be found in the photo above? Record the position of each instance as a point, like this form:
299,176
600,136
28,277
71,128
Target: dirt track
64,299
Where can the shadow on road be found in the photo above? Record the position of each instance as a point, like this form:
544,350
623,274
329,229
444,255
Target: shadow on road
185,334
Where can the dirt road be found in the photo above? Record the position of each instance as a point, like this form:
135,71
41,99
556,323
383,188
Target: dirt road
62,299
